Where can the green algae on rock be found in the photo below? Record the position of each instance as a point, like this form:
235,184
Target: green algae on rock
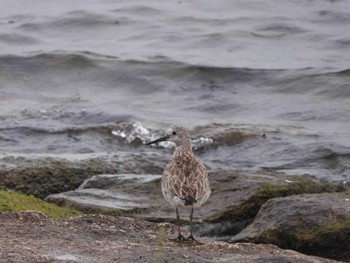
14,202
237,216
43,175
248,209
330,241
317,224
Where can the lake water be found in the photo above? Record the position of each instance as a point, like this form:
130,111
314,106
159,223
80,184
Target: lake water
81,77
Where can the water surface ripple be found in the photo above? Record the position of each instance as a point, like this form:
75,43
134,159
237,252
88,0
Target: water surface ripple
260,84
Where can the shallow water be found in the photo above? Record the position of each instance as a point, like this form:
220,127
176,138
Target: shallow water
83,77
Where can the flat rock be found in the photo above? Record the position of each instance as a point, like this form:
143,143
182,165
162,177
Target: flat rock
32,237
141,196
115,194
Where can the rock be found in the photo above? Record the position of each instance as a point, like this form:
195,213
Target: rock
141,195
317,224
235,200
240,199
117,194
32,237
131,189
41,175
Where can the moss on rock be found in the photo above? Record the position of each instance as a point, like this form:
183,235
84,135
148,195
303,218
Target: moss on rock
14,202
331,241
52,176
247,210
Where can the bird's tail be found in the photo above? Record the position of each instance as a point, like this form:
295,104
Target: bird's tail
189,200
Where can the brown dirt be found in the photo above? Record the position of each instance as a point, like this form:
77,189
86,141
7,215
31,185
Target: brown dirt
32,237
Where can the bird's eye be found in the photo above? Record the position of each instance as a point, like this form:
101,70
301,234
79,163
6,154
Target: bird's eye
174,132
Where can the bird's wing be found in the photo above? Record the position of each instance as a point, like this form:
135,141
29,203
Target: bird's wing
197,181
187,181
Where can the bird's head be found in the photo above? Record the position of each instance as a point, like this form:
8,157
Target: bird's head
177,135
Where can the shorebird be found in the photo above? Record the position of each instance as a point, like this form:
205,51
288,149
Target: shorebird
185,181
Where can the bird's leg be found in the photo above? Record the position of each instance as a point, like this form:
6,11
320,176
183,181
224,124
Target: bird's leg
180,237
191,237
191,218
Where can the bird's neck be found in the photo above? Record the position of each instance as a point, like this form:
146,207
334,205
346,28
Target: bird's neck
185,148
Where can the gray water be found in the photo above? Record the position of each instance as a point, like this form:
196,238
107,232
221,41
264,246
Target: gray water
80,77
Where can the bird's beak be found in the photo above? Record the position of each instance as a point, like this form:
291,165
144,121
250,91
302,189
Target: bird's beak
159,140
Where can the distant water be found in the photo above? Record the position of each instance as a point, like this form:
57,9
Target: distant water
107,76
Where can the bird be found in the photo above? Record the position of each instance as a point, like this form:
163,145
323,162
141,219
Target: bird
185,181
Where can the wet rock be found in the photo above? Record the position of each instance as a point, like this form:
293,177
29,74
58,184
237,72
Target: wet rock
44,175
141,195
115,194
240,199
317,224
32,237
235,200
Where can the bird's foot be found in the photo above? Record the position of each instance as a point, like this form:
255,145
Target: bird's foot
179,238
192,239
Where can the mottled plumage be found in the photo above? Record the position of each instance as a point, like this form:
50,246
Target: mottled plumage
185,181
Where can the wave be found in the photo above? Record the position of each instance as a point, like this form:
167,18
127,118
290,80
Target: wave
83,58
139,10
107,71
325,83
219,145
123,130
42,61
91,58
59,120
62,69
71,21
203,137
163,63
318,159
17,39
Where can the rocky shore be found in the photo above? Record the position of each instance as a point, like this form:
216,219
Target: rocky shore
126,218
32,237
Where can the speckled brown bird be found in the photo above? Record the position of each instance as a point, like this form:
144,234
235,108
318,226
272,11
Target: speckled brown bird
185,181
